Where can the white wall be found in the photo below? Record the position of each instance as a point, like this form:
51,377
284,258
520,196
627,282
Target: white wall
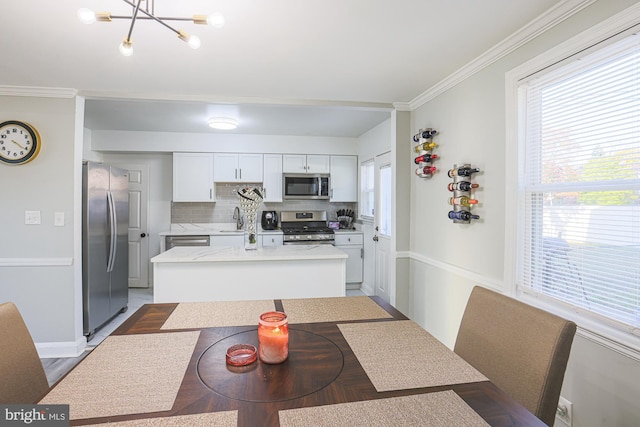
38,262
449,259
127,142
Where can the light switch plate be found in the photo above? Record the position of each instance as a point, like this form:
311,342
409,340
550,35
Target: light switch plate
32,217
58,219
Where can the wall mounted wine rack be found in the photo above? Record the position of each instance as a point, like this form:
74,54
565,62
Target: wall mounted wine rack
462,187
424,149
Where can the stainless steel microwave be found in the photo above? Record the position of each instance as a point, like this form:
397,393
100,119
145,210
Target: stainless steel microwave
306,186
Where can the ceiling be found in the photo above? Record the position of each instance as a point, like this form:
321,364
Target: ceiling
328,68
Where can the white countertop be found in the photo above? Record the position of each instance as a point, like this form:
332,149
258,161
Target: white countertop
227,254
211,229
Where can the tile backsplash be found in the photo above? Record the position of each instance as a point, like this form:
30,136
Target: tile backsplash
227,200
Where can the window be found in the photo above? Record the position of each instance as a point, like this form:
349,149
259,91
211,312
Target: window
578,190
384,217
367,189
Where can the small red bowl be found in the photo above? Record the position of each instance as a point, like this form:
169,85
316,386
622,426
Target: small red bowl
241,354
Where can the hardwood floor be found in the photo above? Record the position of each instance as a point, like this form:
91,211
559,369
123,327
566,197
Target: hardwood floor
56,368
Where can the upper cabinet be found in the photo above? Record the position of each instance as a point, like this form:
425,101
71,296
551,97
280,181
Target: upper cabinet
193,177
233,167
302,163
272,183
344,179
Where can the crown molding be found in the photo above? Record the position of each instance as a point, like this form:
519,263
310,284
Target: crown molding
542,23
402,106
39,92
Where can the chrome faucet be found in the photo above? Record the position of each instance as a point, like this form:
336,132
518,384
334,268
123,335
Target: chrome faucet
238,218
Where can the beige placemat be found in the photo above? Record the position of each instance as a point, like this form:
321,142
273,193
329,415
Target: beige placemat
442,409
400,355
127,374
340,309
210,419
217,314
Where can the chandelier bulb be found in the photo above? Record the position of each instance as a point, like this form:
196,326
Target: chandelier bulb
216,20
194,42
126,47
86,16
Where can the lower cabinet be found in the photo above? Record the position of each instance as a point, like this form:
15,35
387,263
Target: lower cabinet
352,243
270,239
235,240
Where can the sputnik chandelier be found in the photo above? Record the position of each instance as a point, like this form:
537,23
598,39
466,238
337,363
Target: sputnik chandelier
145,9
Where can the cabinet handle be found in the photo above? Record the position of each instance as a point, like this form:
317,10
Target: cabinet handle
210,193
236,173
361,252
240,173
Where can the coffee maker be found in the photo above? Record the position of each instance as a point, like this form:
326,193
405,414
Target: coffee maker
269,220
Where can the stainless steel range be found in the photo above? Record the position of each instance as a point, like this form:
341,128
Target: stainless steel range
305,228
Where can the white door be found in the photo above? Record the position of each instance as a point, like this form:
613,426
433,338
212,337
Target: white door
250,168
383,221
344,179
317,163
272,182
225,167
138,236
294,163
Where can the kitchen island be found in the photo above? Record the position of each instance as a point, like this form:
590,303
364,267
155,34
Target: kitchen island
187,274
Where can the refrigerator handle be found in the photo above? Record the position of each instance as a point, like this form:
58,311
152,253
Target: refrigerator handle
114,232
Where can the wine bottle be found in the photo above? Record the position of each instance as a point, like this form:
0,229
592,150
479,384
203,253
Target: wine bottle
424,133
425,158
462,186
426,146
463,215
426,172
462,201
464,171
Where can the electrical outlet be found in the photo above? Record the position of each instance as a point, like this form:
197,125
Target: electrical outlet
564,413
32,217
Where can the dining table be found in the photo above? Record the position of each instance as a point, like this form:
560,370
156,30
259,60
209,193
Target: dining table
351,361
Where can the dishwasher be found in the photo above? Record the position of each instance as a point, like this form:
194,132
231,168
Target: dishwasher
173,241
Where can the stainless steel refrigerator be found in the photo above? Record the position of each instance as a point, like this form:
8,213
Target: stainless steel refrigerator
105,248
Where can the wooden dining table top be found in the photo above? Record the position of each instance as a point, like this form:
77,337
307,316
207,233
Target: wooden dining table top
321,369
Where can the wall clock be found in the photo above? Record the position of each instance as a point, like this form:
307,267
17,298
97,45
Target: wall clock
19,142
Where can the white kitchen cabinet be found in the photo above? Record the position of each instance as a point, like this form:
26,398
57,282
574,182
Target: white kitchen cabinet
231,240
352,243
193,177
344,179
305,163
272,182
270,239
233,167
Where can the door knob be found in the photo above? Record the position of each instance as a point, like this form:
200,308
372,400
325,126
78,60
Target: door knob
143,234
375,238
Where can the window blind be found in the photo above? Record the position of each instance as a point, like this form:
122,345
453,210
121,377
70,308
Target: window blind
579,197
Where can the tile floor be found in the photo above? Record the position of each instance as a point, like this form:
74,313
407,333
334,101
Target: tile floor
58,367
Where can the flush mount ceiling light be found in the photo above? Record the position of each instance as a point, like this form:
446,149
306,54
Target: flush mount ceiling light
148,13
223,123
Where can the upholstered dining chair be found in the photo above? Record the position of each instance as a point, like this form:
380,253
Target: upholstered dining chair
21,371
520,348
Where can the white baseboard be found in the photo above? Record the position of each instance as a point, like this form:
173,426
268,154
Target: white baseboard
50,350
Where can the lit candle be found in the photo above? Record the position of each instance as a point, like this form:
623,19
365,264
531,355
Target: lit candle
273,337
